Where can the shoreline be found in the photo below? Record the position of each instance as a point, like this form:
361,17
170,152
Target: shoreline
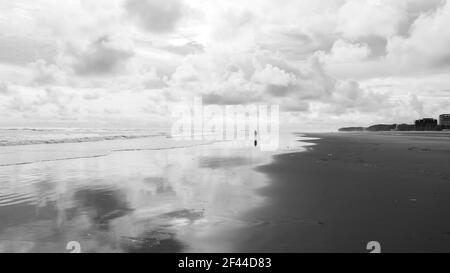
352,188
156,197
334,192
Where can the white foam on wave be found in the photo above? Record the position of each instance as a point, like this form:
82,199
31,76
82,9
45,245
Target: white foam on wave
31,136
23,146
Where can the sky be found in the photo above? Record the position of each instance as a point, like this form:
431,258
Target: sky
125,63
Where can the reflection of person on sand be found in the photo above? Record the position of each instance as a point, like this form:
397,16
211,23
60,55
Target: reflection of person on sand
256,141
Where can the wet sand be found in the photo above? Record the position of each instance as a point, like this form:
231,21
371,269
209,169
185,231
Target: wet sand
134,195
352,188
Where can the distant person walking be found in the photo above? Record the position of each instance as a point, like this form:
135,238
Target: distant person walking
256,138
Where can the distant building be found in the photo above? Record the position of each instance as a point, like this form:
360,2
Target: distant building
426,124
444,120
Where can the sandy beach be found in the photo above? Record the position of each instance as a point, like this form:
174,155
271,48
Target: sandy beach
352,188
232,127
330,192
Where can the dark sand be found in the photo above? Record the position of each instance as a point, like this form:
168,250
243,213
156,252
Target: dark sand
352,188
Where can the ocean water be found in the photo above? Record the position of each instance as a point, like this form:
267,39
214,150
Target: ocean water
131,191
27,136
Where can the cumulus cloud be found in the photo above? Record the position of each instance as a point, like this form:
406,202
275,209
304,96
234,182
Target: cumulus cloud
426,46
273,75
21,50
158,16
3,88
44,73
102,56
359,18
185,49
22,106
268,78
346,52
324,60
350,97
91,96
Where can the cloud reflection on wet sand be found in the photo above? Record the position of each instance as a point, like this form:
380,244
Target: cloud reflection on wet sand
173,200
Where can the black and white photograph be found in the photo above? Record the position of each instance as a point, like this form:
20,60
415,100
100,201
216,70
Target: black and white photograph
224,127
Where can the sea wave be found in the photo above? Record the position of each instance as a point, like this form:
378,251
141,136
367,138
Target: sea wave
70,140
33,136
